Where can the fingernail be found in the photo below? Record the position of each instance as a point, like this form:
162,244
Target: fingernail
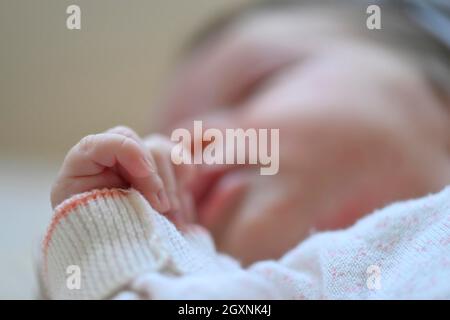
163,200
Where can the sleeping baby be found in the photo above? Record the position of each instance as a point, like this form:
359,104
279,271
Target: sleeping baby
364,121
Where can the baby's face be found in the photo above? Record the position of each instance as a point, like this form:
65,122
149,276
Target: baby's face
358,129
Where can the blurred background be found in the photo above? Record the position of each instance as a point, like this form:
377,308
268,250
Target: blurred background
58,85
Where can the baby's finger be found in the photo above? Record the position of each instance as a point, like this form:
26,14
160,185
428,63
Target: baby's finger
67,187
125,131
160,149
130,133
95,152
160,200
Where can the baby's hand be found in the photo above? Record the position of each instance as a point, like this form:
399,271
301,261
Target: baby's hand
118,158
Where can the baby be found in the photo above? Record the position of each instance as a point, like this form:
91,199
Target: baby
364,121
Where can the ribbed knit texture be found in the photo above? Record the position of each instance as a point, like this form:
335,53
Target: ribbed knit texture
126,250
106,235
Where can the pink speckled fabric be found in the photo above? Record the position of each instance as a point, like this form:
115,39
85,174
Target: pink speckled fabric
399,252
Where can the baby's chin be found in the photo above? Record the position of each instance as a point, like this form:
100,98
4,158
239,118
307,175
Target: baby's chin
277,226
259,236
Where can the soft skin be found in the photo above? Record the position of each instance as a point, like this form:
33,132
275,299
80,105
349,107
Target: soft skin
360,127
119,158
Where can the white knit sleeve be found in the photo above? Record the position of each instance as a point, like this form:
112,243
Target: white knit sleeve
103,237
107,238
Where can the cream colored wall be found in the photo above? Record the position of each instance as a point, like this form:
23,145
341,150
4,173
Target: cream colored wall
57,85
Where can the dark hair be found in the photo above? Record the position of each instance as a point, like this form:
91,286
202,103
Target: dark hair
407,26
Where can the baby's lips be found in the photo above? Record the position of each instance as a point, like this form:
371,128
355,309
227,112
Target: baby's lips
227,190
206,178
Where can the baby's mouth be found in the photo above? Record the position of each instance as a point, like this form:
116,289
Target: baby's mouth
216,191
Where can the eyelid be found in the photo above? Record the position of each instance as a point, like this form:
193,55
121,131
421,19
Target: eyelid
257,82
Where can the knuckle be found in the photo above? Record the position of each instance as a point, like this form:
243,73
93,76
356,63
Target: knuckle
88,143
128,143
123,130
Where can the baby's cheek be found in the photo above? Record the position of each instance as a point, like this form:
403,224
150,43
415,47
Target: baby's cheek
266,225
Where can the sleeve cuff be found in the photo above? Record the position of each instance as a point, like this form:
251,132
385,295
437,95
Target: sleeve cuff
97,242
